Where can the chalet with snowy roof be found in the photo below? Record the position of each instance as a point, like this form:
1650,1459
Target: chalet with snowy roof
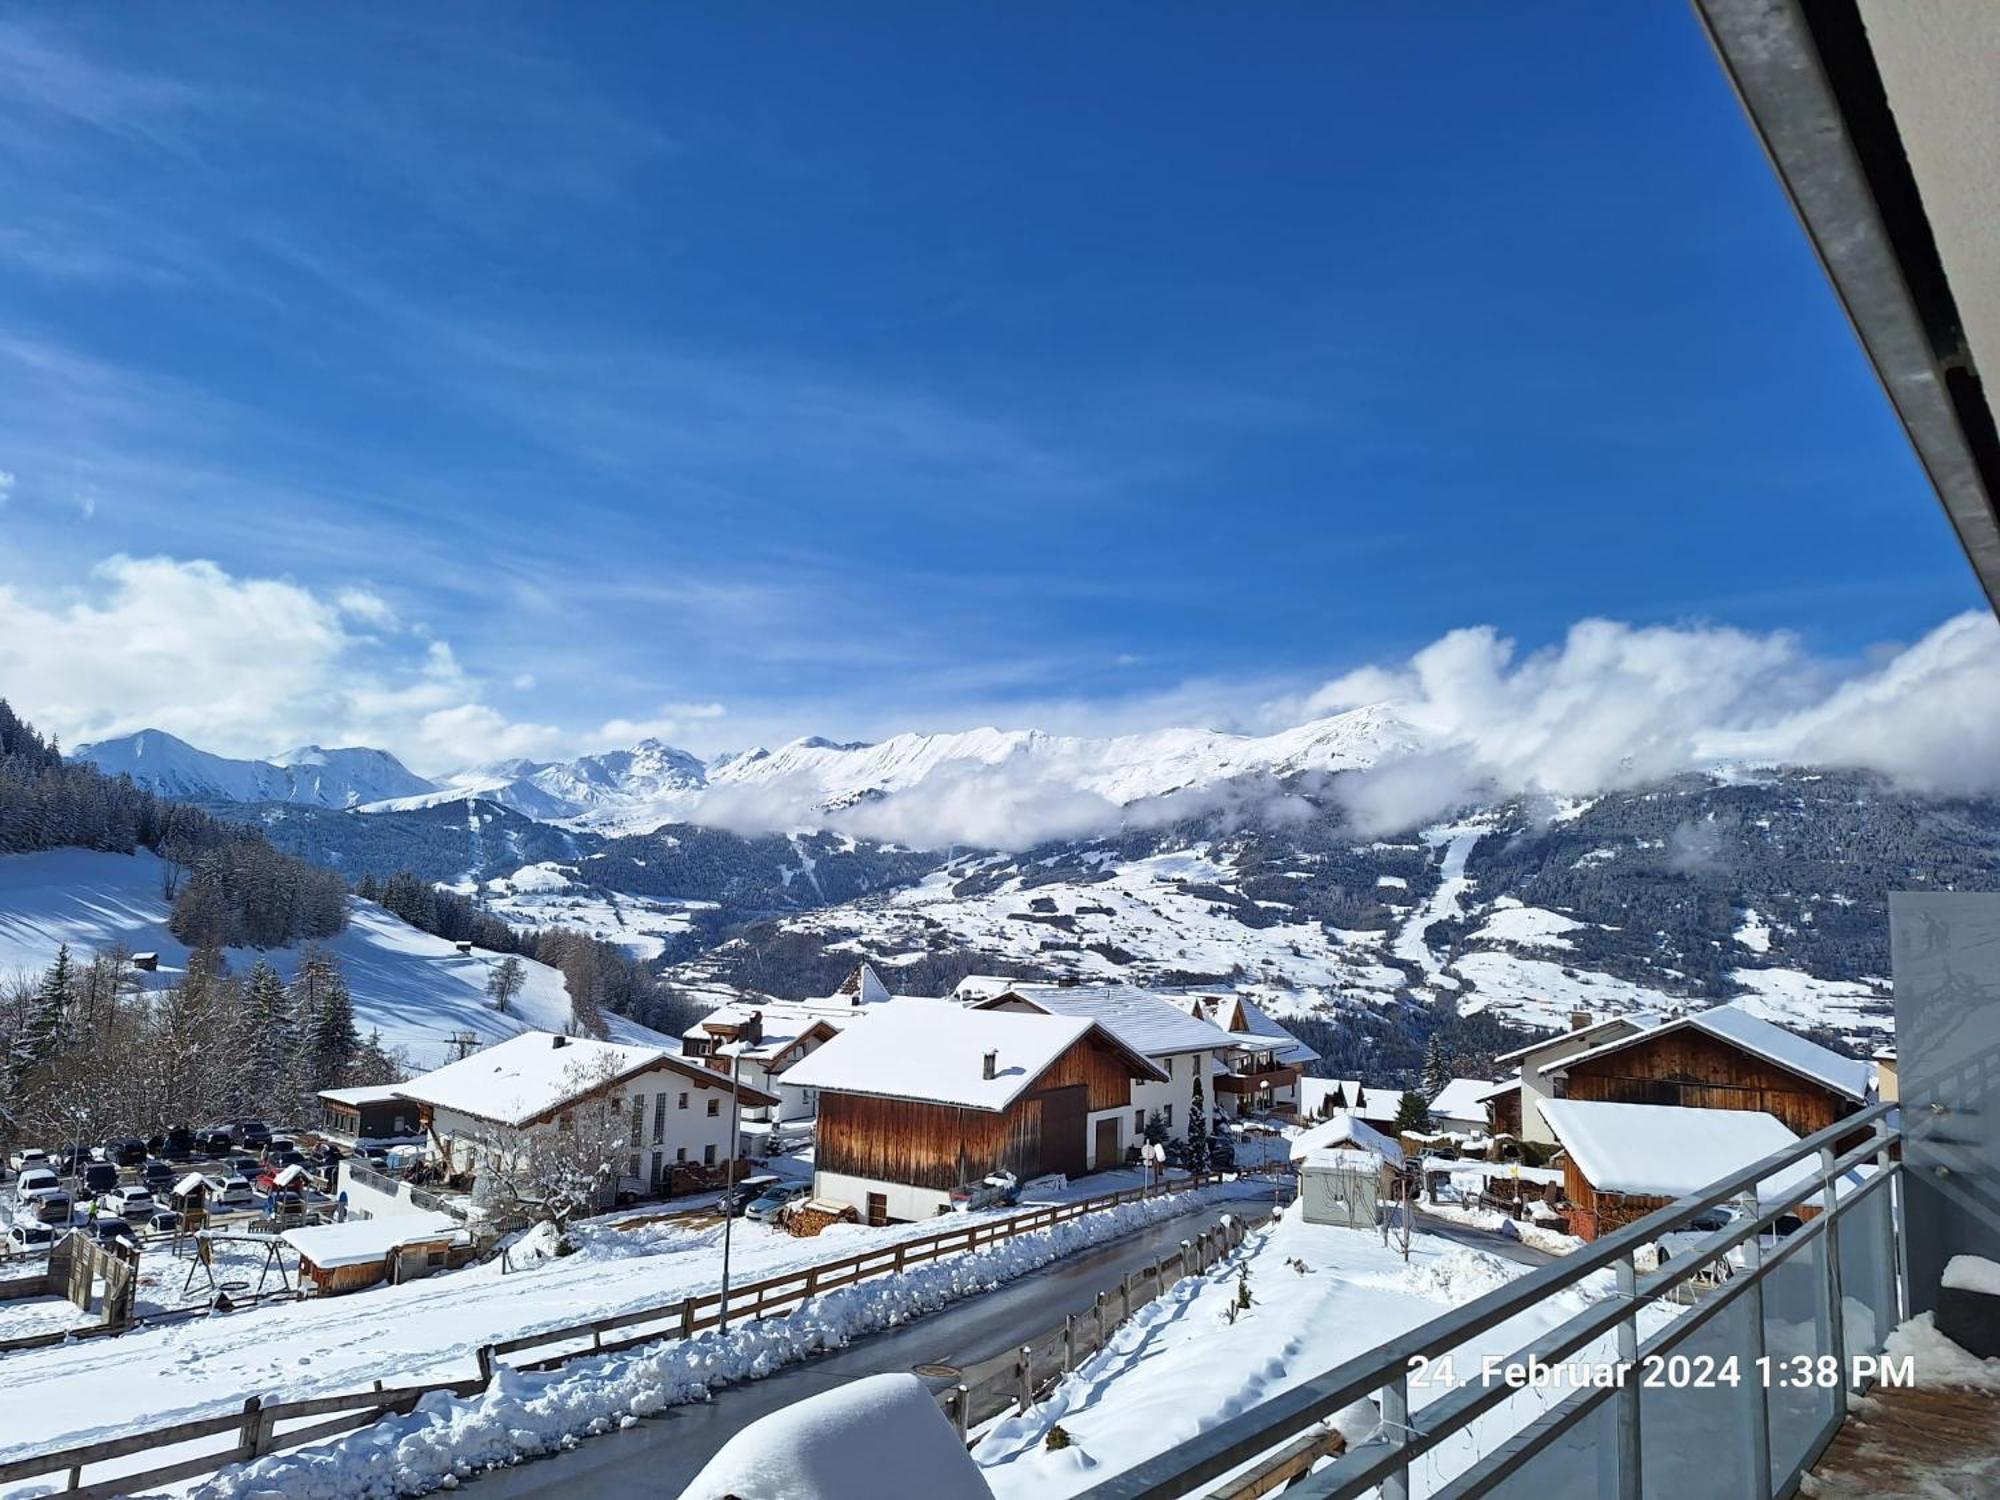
369,1115
1460,1106
1266,1062
1186,1047
1321,1098
680,1122
1724,1058
760,1043
1513,1112
1624,1161
919,1097
1347,1131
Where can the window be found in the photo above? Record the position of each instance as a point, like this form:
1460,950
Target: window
638,1121
684,1099
659,1118
714,1107
1138,1122
708,1155
680,1153
632,1165
1167,1115
434,1258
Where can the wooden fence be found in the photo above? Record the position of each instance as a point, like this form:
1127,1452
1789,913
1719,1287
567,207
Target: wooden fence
1016,1378
256,1425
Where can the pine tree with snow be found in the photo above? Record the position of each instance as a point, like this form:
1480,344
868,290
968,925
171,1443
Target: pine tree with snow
323,1013
269,1038
1197,1131
48,1012
1437,1072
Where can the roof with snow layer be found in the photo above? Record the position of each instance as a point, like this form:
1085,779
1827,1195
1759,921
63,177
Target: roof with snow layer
919,1049
1773,1043
1140,1019
529,1076
1596,1034
1667,1151
1249,1025
1315,1094
1346,1129
1462,1099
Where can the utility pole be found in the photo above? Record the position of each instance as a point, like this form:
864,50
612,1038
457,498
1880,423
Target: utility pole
729,1191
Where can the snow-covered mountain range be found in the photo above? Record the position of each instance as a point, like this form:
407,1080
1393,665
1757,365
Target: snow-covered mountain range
310,774
638,789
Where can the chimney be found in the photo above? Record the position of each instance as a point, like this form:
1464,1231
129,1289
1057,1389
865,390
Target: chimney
559,1041
1578,1019
753,1029
991,1066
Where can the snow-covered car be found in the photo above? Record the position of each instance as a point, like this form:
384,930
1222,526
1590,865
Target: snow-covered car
774,1200
38,1182
26,1236
128,1202
27,1159
230,1192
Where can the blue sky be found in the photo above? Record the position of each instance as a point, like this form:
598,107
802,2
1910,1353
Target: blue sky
496,378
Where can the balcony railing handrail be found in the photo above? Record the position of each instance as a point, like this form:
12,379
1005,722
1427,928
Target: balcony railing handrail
1231,1444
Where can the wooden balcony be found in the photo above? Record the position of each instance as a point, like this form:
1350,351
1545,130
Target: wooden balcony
1283,1076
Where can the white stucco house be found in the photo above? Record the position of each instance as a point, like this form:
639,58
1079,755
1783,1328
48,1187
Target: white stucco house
1540,1061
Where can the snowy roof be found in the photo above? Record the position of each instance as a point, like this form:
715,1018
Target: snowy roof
832,1446
1773,1043
1370,1104
1495,1090
1667,1151
379,1093
1595,1034
1138,1018
360,1241
1249,1026
1340,1159
1462,1099
865,985
1346,1129
919,1049
984,986
527,1076
189,1183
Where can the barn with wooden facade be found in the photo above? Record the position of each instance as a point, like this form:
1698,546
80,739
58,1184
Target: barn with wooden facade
1723,1058
923,1096
1624,1161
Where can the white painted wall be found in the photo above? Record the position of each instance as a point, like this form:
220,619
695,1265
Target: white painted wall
905,1202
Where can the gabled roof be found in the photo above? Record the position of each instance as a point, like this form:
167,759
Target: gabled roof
864,984
531,1076
1595,1034
1347,1129
1370,1104
1462,1099
921,1049
354,1098
1666,1151
1249,1026
1495,1090
1737,1027
1139,1018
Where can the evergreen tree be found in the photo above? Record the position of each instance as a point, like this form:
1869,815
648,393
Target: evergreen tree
1156,1129
1197,1131
1413,1114
269,1040
323,1013
48,1014
1437,1072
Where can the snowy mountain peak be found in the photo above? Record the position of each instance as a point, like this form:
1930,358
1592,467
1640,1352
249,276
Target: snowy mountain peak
172,767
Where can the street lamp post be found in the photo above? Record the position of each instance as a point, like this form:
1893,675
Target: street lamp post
729,1190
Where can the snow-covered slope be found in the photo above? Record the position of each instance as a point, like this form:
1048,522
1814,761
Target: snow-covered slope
417,989
326,778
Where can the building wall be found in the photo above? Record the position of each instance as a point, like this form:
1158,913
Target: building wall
1698,1071
905,1202
1536,1084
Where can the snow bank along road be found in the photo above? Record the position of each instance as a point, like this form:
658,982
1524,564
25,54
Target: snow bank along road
660,1457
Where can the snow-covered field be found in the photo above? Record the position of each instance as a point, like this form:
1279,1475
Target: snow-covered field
1319,1296
551,895
417,989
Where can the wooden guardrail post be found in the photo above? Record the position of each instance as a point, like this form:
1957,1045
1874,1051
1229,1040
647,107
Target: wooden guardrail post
687,1317
1024,1376
250,1436
1097,1318
485,1365
961,1415
1069,1343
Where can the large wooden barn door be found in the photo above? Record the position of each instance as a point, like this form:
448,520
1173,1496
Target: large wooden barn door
1065,1113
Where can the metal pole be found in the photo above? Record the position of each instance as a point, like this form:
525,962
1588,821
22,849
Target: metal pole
1396,1429
1630,1467
1758,1405
1836,1333
729,1190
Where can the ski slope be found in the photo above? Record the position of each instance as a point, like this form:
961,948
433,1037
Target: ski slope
418,990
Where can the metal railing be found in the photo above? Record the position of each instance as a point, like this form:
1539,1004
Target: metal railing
1680,1420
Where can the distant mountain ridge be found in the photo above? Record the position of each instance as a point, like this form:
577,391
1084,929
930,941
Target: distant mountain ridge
311,774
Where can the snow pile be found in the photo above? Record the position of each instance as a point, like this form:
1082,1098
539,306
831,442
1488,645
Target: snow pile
1937,1360
1973,1273
1458,1276
831,1447
521,1415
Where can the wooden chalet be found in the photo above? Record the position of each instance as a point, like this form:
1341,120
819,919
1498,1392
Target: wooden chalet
923,1096
360,1253
1723,1058
1624,1161
377,1113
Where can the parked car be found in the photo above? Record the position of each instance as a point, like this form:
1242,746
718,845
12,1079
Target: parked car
53,1208
158,1172
232,1191
215,1140
69,1159
128,1202
1221,1155
164,1221
26,1235
748,1191
254,1134
36,1183
178,1143
766,1206
122,1151
99,1177
106,1228
28,1158
277,1146
246,1166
